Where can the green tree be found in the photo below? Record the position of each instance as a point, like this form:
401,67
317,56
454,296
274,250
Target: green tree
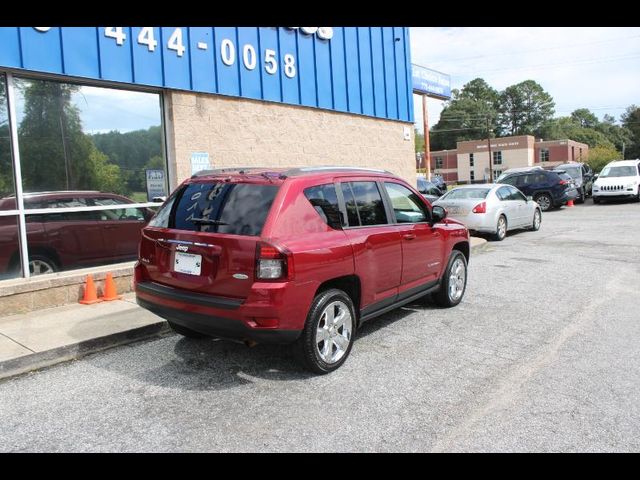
570,128
585,118
523,108
55,153
464,116
600,155
6,167
631,120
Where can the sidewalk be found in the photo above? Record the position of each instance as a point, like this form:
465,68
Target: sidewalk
42,338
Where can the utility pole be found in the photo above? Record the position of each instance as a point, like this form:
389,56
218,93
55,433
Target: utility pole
427,146
490,156
623,150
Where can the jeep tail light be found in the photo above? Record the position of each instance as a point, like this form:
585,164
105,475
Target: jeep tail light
480,208
273,263
564,182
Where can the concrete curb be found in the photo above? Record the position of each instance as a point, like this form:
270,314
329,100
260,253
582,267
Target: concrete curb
36,361
481,245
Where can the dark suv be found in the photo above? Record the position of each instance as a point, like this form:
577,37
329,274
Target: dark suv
582,176
300,256
548,189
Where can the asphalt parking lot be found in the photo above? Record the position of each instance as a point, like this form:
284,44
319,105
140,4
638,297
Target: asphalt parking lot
541,355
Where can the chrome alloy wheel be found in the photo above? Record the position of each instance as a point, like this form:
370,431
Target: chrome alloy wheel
502,227
537,219
40,267
544,201
333,334
457,279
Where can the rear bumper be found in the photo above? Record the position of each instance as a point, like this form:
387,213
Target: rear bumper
217,326
272,313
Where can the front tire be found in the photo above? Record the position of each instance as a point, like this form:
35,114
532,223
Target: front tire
596,200
41,264
501,229
537,220
582,197
454,282
328,333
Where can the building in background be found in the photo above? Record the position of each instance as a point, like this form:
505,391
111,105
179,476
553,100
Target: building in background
134,111
469,162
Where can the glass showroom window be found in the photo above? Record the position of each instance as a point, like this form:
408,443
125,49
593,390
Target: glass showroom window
86,154
10,263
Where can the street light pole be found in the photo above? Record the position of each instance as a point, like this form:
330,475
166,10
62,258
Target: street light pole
490,159
427,146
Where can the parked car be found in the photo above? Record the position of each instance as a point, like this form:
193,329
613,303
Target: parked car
300,256
438,180
582,176
618,180
429,190
548,189
60,241
491,208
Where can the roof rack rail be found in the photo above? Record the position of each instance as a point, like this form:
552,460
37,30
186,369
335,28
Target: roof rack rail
302,170
215,171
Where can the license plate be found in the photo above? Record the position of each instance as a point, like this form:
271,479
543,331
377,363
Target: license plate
187,263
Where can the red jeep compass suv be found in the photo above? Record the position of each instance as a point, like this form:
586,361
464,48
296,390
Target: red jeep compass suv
299,256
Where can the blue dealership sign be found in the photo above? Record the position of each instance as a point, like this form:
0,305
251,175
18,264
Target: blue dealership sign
362,70
430,82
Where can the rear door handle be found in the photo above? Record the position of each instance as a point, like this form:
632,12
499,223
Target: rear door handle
409,236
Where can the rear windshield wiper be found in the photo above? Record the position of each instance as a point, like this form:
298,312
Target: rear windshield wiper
207,221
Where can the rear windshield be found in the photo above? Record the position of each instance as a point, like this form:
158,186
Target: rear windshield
574,172
467,193
234,208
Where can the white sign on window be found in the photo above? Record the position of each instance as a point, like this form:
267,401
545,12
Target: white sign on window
199,161
155,185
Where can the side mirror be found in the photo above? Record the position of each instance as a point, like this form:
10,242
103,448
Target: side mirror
595,175
438,214
529,198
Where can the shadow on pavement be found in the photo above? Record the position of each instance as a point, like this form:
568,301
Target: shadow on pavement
214,364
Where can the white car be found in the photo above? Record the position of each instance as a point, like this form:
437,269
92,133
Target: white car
618,180
491,208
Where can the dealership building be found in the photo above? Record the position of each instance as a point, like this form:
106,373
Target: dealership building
108,120
469,162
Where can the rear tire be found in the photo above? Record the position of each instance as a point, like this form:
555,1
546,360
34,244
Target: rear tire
545,201
185,332
453,283
328,333
501,229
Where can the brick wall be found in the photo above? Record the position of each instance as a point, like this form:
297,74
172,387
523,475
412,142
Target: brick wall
241,132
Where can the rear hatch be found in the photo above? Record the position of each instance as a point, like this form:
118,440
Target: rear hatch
204,238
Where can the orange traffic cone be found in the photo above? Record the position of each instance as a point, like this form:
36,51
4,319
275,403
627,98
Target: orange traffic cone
110,292
90,293
570,203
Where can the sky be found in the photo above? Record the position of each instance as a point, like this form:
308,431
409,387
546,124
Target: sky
580,67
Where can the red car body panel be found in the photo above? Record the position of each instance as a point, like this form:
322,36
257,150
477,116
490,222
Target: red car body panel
386,260
82,241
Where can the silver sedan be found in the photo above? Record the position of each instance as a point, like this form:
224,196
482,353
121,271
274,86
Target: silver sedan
491,208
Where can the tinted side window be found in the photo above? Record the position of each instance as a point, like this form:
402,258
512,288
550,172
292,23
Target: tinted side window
234,208
406,205
325,201
510,180
503,193
515,194
366,202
